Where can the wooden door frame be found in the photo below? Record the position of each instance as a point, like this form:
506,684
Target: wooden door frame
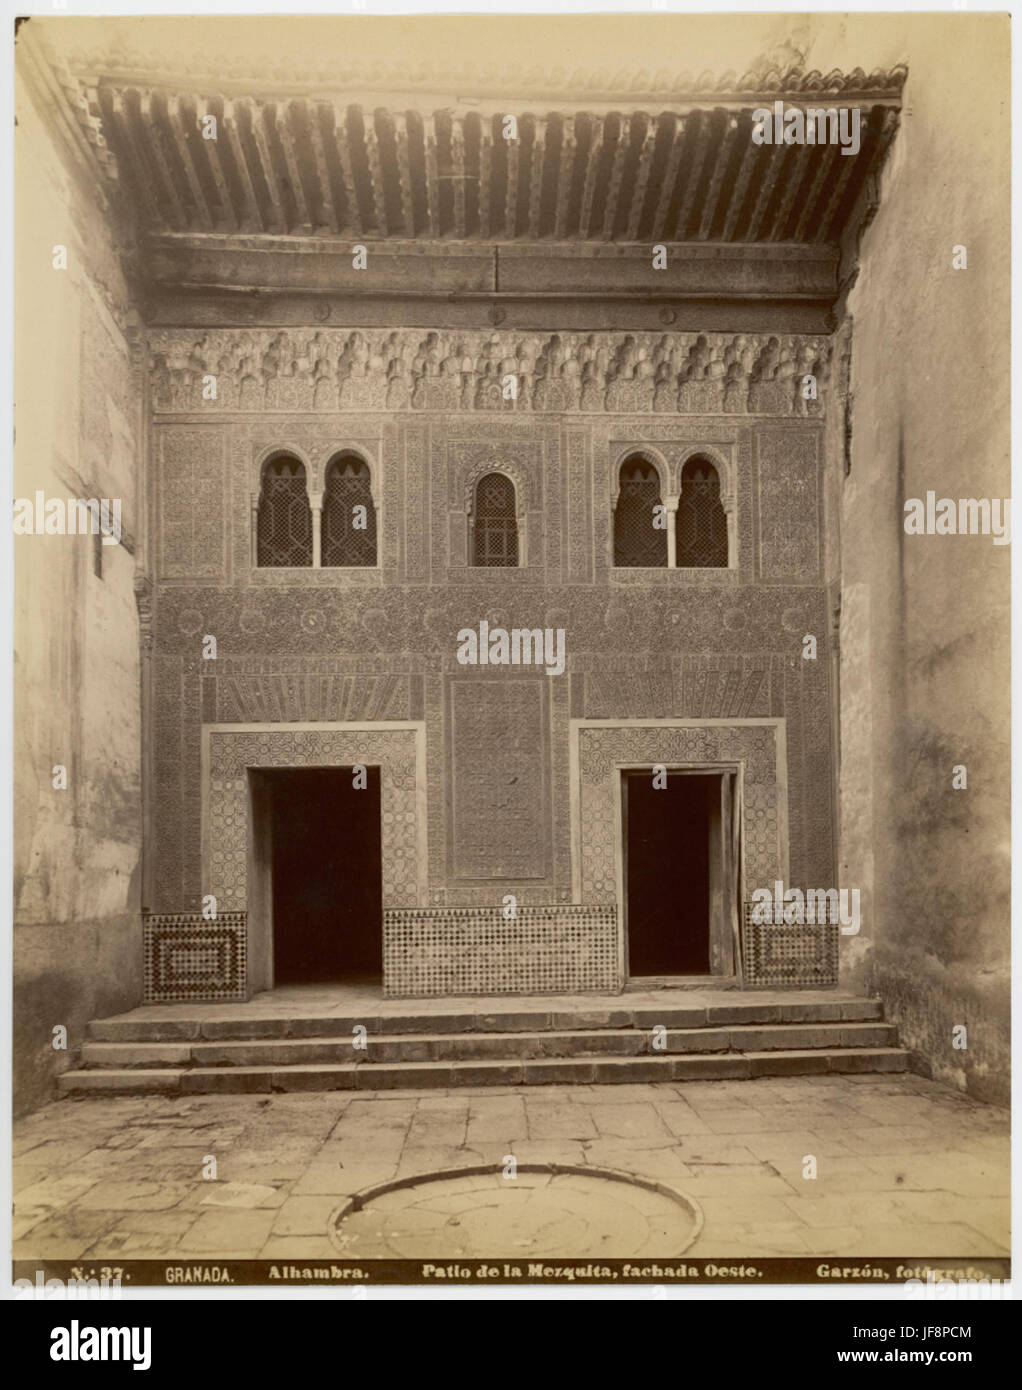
724,917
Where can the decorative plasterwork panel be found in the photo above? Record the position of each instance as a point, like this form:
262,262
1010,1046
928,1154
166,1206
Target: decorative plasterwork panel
499,778
789,504
191,491
399,750
334,369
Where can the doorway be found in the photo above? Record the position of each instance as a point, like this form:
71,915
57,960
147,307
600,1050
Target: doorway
325,874
680,873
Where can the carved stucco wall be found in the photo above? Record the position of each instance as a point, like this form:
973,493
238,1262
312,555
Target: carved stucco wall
757,747
379,644
230,752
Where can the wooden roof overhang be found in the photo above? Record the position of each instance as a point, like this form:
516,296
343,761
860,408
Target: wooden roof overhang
553,227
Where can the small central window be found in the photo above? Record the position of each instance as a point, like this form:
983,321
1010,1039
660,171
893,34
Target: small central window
495,523
349,517
284,520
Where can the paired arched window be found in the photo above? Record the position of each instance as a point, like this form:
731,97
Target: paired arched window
349,517
290,533
495,522
284,524
640,537
701,534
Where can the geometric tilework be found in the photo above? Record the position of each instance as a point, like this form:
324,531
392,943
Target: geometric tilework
780,955
187,957
563,948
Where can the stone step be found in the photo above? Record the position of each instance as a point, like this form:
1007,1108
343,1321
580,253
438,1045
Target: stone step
241,1021
380,1076
426,1047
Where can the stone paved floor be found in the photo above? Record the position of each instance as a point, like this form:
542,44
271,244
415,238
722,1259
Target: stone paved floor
905,1167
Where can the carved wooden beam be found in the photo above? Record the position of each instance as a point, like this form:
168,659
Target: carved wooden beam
511,195
670,178
592,169
278,221
796,172
565,177
641,178
331,217
128,147
458,174
343,151
182,127
281,119
617,170
825,161
736,197
774,159
700,154
372,144
535,177
485,176
432,176
404,167
716,192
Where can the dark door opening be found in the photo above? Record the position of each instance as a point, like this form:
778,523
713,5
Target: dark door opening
326,875
668,871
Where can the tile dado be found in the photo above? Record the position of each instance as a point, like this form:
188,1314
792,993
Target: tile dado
562,948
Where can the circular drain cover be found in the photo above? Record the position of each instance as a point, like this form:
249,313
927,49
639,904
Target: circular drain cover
546,1210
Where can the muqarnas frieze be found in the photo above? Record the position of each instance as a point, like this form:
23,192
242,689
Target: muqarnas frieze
409,369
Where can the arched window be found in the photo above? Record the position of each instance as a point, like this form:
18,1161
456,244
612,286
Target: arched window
637,541
349,517
495,523
284,520
702,522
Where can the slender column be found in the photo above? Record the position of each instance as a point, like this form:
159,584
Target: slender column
316,503
671,503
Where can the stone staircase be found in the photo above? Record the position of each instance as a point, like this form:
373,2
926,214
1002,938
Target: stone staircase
665,1036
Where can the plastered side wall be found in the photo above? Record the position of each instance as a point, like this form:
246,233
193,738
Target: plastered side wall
77,943
924,619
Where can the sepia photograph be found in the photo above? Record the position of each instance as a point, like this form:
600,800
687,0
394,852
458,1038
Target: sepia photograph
511,754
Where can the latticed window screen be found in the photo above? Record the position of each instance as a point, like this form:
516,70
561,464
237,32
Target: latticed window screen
345,540
495,528
702,521
636,540
284,522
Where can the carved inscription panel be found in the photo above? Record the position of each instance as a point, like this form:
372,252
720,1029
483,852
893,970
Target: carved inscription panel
499,778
